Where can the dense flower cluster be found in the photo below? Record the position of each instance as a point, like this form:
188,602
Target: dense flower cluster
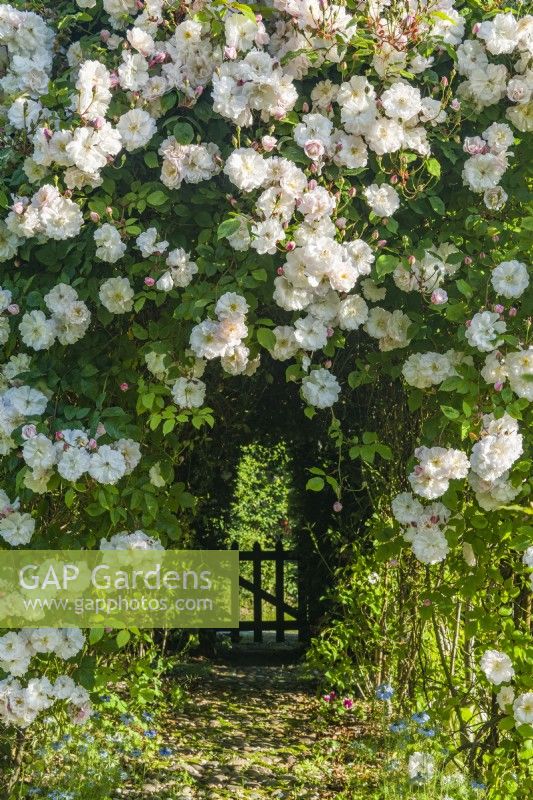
220,188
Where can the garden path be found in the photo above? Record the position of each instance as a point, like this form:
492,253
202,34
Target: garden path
248,733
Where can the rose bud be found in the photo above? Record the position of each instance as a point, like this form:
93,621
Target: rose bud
337,506
124,387
513,311
438,297
498,308
148,281
13,309
290,246
94,216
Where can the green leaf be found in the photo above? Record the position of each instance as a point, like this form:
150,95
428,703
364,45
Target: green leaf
95,634
315,484
437,205
157,198
183,132
228,227
433,167
386,264
266,338
451,413
151,160
122,638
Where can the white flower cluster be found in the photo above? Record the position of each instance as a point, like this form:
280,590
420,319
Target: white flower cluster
180,272
431,369
20,705
69,321
391,328
428,273
488,162
16,528
17,404
109,244
424,527
499,447
116,294
48,213
138,540
498,669
436,468
488,83
75,453
191,163
320,388
517,367
223,339
484,329
29,43
255,83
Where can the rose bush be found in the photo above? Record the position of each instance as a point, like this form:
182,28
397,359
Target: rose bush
194,189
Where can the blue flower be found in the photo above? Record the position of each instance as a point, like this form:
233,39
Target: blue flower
151,734
397,727
429,733
126,719
477,785
421,717
135,753
56,746
165,751
384,691
105,698
146,716
33,790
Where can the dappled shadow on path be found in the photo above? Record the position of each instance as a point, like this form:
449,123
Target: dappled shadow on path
245,733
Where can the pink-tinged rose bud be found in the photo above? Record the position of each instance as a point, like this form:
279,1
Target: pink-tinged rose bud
140,5
124,387
326,698
104,35
455,105
426,602
100,430
329,332
109,211
328,363
98,123
411,260
313,168
28,432
314,149
340,223
475,28
199,91
337,506
268,143
148,281
94,216
230,52
157,58
290,246
280,271
498,386
513,311
305,108
92,444
468,323
18,207
58,436
382,242
347,703
444,81
467,260
114,80
47,133
498,308
495,238
352,191
13,309
439,296
482,255
394,179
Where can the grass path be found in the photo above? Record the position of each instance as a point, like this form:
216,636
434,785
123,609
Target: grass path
253,733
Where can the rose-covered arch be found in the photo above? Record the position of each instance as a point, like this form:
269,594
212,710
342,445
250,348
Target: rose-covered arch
192,190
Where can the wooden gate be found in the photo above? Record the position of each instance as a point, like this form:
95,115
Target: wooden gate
298,617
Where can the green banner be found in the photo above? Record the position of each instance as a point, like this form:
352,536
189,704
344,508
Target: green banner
119,588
